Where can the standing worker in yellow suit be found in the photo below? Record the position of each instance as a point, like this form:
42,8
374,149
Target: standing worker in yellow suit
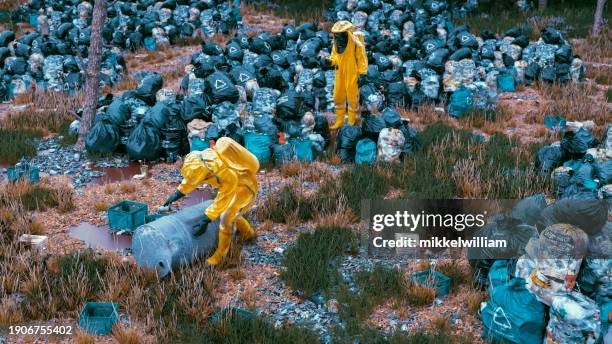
349,57
232,169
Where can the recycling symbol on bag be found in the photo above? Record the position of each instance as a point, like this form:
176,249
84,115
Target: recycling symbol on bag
430,46
267,45
220,84
243,77
275,57
500,315
289,31
382,59
465,38
233,50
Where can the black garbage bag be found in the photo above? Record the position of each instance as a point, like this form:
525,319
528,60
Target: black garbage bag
6,37
562,73
211,48
548,158
575,144
118,112
221,88
292,128
196,107
318,80
265,125
391,117
148,87
529,210
283,153
564,54
346,142
437,59
508,60
135,41
63,30
411,138
234,51
487,51
103,137
501,227
371,126
21,50
16,65
241,75
382,61
290,32
392,75
467,40
394,94
604,172
271,78
322,127
279,57
460,54
311,47
158,115
522,41
552,36
590,215
144,142
532,72
259,46
548,74
289,105
374,76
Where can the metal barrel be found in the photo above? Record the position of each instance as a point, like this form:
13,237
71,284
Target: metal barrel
167,243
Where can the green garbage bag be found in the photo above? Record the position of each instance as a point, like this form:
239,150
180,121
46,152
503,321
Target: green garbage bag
461,102
259,145
513,314
505,83
366,152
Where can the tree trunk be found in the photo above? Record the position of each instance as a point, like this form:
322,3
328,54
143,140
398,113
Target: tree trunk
92,75
542,5
597,23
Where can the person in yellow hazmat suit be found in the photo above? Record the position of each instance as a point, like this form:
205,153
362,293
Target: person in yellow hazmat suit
232,169
349,58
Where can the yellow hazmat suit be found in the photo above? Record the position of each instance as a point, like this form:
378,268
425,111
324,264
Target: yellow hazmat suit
349,64
231,169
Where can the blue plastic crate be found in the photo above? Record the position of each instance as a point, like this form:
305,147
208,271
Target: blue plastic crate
23,171
99,317
433,279
127,215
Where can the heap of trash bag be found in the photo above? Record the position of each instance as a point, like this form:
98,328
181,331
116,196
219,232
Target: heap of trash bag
54,54
267,92
418,55
553,281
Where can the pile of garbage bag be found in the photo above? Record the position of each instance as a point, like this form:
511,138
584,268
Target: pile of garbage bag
416,54
580,165
54,54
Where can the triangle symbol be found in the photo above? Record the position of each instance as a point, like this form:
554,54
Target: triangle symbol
233,49
243,77
220,84
498,315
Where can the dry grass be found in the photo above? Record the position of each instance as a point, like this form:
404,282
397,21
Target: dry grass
101,206
47,111
10,314
125,335
249,297
127,187
341,216
46,194
595,50
110,188
419,295
472,301
83,337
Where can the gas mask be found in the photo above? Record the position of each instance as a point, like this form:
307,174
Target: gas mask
341,40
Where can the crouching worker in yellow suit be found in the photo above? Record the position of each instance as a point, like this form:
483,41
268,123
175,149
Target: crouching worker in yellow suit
232,169
349,58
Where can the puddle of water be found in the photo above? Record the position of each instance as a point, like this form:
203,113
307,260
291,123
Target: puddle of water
100,237
195,197
116,174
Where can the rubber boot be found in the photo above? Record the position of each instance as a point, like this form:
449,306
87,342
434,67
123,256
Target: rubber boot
244,228
339,122
225,239
352,118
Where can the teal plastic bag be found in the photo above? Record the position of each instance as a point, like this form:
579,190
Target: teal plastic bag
197,144
149,44
259,145
303,149
605,314
365,152
33,20
505,83
499,274
513,314
555,123
461,102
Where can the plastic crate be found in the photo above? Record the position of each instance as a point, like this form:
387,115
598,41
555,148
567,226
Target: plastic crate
23,171
127,215
433,279
99,317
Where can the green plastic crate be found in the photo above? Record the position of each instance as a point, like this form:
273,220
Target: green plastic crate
433,279
127,215
99,317
23,171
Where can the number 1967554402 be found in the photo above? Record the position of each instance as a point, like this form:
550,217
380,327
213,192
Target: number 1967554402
40,330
